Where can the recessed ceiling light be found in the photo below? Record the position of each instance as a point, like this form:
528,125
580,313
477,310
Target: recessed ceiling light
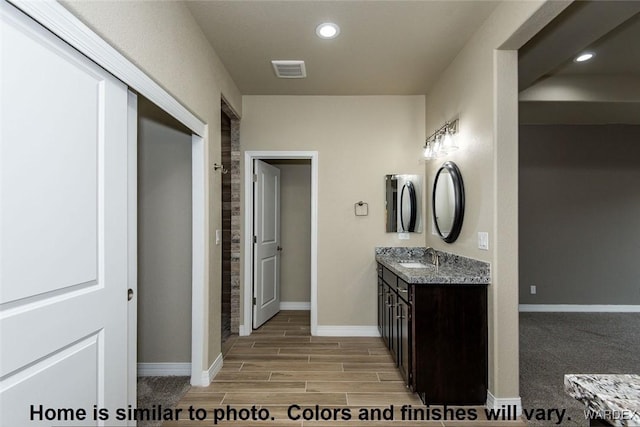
584,57
327,30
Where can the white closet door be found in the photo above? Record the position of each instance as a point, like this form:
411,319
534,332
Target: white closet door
63,229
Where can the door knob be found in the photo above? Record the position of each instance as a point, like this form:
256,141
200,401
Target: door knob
129,294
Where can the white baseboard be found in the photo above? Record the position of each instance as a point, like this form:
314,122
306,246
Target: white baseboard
504,402
210,373
243,331
164,369
578,308
347,331
295,305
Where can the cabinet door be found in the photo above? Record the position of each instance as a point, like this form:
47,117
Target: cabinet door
403,340
450,344
380,306
386,315
393,334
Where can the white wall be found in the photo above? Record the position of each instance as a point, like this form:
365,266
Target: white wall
359,140
579,214
164,238
163,39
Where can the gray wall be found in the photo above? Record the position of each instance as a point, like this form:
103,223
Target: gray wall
295,220
580,214
164,238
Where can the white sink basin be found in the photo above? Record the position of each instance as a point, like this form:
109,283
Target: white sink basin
411,264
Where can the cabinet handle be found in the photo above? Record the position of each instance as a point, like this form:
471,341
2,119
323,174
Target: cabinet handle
391,305
404,291
399,317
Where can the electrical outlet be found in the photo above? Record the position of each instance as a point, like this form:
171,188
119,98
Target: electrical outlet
533,289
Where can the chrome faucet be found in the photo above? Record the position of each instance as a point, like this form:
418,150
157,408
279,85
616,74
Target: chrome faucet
435,260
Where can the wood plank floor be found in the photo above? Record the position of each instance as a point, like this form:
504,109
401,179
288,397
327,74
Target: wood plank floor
285,375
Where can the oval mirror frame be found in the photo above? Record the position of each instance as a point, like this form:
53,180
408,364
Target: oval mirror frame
410,192
458,186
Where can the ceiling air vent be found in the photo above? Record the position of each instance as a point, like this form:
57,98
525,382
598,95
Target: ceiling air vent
289,69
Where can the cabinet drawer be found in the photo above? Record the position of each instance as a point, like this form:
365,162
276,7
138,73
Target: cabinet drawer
389,278
403,290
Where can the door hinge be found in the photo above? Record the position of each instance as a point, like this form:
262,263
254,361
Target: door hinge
254,300
255,178
255,239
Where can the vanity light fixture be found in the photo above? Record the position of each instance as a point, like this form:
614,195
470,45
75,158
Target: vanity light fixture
584,56
327,30
441,142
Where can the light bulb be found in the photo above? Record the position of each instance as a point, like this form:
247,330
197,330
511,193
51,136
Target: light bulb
438,149
584,56
328,30
428,151
448,143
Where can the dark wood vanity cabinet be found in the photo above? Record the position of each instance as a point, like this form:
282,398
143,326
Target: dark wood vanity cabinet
437,335
393,318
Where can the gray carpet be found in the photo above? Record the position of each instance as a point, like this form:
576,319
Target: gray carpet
165,391
554,344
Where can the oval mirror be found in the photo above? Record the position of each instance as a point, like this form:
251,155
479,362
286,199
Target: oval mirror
448,202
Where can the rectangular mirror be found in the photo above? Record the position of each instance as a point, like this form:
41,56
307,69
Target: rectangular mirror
403,207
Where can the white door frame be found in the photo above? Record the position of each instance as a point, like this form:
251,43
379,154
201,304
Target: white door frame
53,16
249,157
132,248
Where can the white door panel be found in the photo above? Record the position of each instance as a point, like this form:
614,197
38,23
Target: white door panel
76,364
269,279
267,249
34,151
63,226
268,182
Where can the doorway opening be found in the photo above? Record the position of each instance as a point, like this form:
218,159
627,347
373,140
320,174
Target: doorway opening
230,232
300,181
295,235
164,256
570,190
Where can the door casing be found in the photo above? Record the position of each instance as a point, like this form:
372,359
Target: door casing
247,306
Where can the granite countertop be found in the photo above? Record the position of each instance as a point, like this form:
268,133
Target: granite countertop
613,397
453,269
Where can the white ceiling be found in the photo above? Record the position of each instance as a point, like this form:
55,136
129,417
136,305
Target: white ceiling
616,53
385,47
606,89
